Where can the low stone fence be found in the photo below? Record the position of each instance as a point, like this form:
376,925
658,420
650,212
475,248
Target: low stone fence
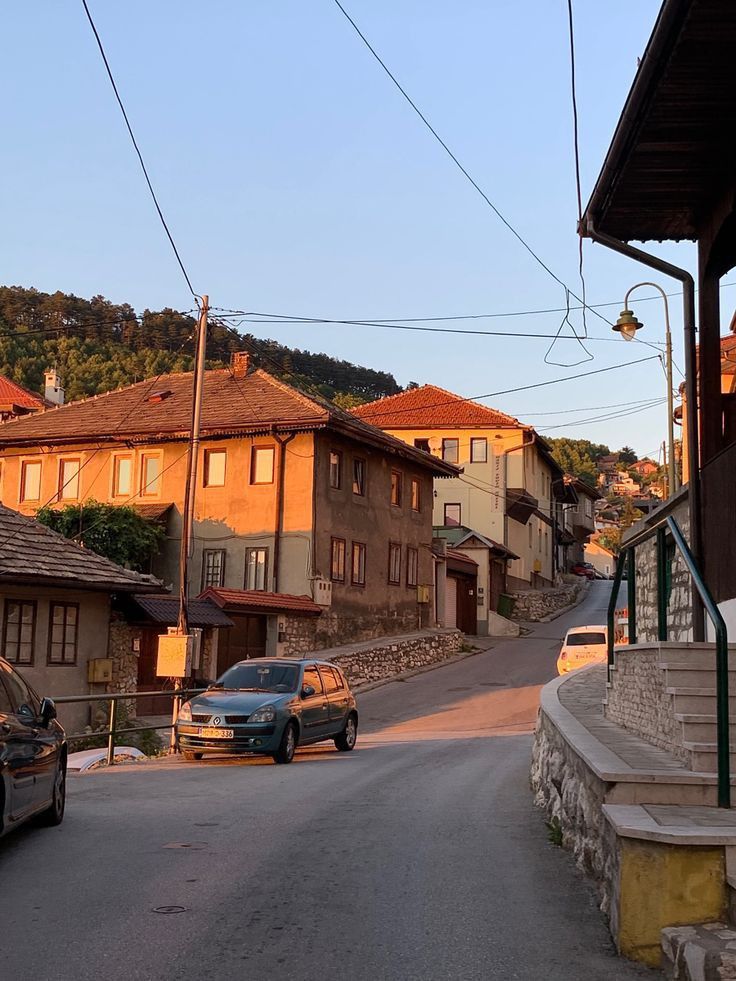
536,604
386,657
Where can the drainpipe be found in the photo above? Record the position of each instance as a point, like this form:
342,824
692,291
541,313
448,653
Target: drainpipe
282,443
691,394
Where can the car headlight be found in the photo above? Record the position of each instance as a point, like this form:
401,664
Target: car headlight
185,713
266,713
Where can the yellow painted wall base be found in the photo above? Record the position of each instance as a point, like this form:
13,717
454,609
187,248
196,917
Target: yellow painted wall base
665,885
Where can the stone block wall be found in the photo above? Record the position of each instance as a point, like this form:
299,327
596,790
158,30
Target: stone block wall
302,635
571,794
679,609
376,660
124,664
536,604
638,700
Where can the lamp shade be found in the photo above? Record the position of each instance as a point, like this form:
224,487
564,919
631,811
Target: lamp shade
627,325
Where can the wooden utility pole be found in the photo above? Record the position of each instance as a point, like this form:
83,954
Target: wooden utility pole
192,461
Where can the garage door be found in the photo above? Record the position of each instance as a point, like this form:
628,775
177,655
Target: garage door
451,602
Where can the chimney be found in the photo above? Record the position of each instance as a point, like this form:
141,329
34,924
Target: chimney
53,391
239,363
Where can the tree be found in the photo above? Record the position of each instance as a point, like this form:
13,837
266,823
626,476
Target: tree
629,515
118,533
627,455
578,457
611,539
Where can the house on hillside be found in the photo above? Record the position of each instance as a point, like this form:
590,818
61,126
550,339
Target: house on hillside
311,527
61,620
645,468
601,558
510,483
579,518
18,401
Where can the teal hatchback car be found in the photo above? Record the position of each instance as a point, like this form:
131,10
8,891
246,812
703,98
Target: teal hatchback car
270,706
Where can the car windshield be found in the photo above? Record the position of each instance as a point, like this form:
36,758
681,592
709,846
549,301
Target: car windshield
258,676
588,637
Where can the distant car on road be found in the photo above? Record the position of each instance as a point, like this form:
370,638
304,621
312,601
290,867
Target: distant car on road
270,706
581,646
583,569
33,754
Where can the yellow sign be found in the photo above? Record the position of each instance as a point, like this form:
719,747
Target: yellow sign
174,656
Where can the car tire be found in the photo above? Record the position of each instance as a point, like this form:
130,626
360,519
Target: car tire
191,757
345,740
54,814
287,747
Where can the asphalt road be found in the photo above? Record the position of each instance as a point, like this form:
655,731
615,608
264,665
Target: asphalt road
418,856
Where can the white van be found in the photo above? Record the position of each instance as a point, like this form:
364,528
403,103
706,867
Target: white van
581,646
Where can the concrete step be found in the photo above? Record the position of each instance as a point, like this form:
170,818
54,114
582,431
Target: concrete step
699,658
693,700
691,790
681,675
704,757
700,728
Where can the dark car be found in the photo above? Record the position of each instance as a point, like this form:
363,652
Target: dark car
33,755
270,706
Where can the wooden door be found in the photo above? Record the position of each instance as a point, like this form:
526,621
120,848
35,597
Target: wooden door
467,605
451,601
246,639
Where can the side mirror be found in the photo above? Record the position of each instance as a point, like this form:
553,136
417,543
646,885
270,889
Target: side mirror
48,711
308,691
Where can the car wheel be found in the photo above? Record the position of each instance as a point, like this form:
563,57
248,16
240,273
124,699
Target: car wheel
287,747
345,741
190,757
55,814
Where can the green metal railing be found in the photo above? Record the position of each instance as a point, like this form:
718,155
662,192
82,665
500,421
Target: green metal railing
626,560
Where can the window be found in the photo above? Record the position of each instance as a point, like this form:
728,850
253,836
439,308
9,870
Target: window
30,480
359,477
546,542
261,465
450,450
453,514
122,476
213,568
335,469
396,488
394,563
412,566
150,474
331,679
312,677
479,450
214,468
357,574
530,534
256,567
588,508
337,560
23,700
422,444
19,629
63,624
416,500
69,479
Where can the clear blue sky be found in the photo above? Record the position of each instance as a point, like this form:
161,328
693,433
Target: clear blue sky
296,179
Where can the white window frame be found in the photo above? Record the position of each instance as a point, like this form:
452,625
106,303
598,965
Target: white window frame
24,462
62,492
115,458
144,490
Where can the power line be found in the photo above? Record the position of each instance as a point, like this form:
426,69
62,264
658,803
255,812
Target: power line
138,152
588,408
592,420
454,158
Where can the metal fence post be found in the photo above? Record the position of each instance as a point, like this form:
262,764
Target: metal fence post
661,584
631,591
111,736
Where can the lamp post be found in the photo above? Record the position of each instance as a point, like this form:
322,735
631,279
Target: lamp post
627,325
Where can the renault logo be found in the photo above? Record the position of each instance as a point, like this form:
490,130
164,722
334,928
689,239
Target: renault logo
216,720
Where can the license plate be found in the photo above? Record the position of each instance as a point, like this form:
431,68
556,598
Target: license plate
211,732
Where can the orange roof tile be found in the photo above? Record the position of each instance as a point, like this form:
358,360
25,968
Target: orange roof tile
254,599
13,394
431,407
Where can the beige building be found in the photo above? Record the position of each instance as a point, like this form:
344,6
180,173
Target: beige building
509,485
318,526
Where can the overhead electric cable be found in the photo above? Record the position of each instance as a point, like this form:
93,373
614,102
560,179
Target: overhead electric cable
138,152
454,158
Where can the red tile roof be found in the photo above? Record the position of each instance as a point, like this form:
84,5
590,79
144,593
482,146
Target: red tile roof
256,601
146,411
14,394
430,407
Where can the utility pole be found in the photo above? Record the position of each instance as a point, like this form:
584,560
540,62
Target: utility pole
175,649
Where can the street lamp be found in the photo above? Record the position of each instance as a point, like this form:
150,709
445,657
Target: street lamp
627,325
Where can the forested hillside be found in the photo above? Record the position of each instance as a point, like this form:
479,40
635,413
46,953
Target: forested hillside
98,345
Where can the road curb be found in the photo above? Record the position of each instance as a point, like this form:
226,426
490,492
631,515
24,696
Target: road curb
405,675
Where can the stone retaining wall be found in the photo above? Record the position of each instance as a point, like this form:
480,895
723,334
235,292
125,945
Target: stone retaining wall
302,635
536,604
571,794
638,700
384,658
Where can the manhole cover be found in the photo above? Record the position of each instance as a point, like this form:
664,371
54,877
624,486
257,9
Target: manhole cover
206,824
193,845
169,909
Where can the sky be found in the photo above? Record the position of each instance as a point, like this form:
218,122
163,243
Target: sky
296,180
